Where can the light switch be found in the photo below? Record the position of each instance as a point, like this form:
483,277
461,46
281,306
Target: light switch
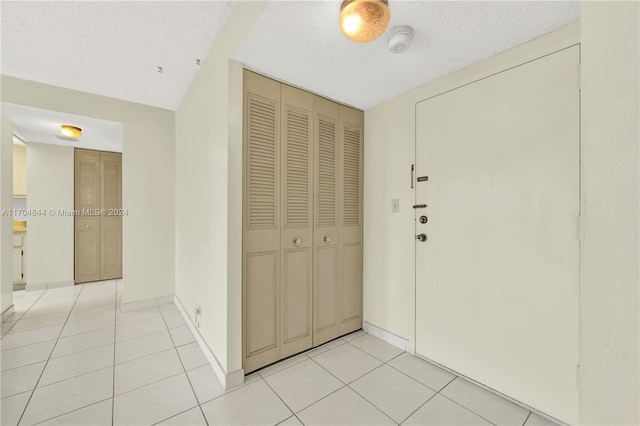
395,205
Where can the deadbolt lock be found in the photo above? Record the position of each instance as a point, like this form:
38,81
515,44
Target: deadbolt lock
421,237
423,219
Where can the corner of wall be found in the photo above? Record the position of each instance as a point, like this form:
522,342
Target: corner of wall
6,221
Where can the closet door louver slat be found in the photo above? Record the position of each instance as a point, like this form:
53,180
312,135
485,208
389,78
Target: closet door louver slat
262,162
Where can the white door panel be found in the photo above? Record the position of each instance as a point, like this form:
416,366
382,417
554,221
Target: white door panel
497,279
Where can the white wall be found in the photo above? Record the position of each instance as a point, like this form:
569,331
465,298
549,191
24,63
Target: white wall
49,260
389,258
148,179
389,268
609,341
208,190
6,222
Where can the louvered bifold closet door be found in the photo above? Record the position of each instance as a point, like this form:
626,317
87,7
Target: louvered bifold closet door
87,224
326,325
261,221
111,222
297,220
350,251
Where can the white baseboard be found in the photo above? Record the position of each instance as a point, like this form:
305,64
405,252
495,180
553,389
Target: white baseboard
146,303
388,337
231,380
47,286
8,312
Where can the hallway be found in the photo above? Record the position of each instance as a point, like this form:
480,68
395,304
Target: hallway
70,357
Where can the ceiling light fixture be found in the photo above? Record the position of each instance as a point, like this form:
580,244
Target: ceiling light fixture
71,131
364,20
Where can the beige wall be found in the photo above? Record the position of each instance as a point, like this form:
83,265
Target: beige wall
609,342
148,178
49,260
389,265
208,191
6,222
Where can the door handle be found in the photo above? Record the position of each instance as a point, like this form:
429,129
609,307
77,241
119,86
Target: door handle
297,241
419,206
327,238
421,237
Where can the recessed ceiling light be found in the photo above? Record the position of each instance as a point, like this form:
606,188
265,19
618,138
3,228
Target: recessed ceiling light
364,20
71,131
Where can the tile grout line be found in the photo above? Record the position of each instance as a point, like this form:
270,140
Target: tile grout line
365,398
52,349
419,407
418,381
176,415
285,368
18,318
30,306
184,370
371,355
280,398
149,384
460,405
468,409
72,411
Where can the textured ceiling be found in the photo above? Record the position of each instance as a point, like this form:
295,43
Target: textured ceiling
114,48
40,125
301,43
111,48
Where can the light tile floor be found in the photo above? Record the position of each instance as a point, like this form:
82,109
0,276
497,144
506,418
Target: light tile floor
70,357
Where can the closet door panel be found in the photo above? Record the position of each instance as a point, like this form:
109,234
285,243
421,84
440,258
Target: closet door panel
261,221
111,223
296,301
297,220
326,227
87,223
261,322
350,251
326,294
351,288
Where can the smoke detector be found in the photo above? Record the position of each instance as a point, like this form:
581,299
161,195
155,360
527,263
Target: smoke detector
399,38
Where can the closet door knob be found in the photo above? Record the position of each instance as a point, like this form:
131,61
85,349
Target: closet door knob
327,238
297,241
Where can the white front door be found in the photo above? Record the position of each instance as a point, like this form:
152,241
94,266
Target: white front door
497,278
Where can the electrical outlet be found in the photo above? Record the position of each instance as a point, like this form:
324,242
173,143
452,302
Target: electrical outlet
395,205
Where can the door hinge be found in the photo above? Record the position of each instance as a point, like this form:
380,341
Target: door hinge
579,68
21,274
21,252
578,376
412,170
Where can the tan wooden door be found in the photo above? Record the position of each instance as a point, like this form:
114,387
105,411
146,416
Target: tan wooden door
326,325
350,189
297,220
302,281
87,223
111,219
261,222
